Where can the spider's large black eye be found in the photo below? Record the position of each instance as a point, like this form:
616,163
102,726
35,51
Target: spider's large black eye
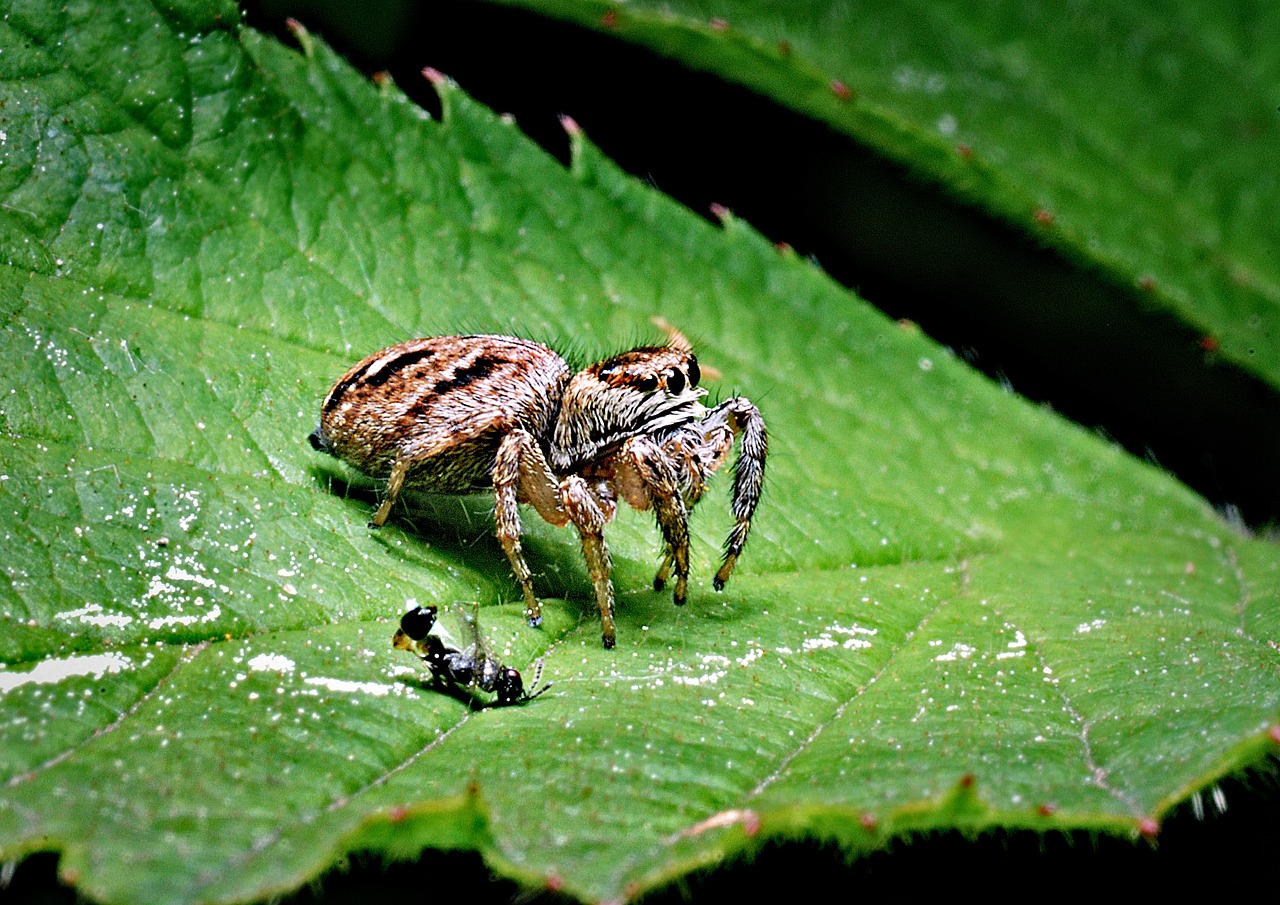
675,382
417,622
647,385
695,372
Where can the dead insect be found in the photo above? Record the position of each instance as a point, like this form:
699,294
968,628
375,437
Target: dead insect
458,414
467,666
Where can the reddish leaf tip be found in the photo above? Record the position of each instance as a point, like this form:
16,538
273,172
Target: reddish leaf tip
1147,283
295,27
868,821
719,24
1043,217
398,814
1149,827
570,125
720,212
1274,732
381,78
609,19
841,90
967,781
434,76
965,151
1209,343
554,883
1047,810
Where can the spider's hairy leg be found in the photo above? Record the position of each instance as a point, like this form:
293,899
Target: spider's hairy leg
694,452
748,476
396,481
664,570
647,476
589,519
410,459
520,474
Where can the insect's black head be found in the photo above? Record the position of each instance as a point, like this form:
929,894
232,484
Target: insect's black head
417,622
510,687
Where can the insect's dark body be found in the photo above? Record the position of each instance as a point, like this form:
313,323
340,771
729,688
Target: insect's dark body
457,414
465,667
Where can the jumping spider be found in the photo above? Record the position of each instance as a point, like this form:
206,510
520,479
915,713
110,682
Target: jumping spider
458,414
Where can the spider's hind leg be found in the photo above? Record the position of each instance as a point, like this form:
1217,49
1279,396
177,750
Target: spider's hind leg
395,481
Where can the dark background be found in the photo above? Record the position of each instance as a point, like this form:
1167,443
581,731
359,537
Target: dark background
1218,856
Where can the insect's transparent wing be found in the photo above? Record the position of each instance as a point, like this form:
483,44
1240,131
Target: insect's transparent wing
473,643
447,639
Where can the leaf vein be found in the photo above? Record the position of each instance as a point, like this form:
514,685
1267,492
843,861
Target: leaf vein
187,656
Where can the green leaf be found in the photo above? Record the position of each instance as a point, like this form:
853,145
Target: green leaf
956,610
1134,141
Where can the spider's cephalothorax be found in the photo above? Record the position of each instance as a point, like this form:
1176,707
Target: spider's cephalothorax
644,391
455,414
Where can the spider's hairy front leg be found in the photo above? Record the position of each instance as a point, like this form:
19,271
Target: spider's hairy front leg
748,475
521,475
647,476
588,517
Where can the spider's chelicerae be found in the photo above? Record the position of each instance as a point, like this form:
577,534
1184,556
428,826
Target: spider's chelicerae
458,414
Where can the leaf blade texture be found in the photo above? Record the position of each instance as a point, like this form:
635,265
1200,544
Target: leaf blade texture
957,611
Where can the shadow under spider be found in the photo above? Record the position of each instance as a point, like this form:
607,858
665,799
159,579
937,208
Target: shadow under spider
462,528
